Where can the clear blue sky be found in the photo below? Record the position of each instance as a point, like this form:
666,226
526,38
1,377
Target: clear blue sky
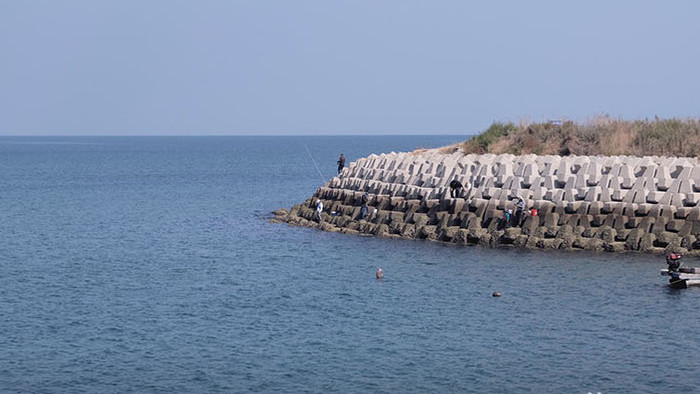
98,67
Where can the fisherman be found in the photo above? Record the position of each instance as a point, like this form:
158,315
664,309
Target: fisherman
341,163
319,209
507,215
363,210
519,211
456,188
674,261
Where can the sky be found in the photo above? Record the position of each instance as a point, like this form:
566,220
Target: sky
331,67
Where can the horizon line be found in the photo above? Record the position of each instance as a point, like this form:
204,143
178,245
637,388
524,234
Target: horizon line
245,135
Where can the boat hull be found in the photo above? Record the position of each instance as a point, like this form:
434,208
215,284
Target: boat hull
683,280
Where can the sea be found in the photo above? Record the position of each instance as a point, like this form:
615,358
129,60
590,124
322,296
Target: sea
150,265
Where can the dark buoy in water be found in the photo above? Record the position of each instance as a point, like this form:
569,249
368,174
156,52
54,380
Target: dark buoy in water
380,273
496,294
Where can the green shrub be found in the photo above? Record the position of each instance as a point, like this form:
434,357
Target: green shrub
496,131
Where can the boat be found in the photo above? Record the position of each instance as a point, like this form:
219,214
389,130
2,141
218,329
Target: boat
680,277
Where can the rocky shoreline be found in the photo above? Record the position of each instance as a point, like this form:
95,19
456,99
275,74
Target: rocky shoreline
597,203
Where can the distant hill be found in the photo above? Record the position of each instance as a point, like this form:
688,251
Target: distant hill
602,136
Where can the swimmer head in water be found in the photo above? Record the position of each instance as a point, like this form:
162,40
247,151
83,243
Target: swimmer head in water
380,273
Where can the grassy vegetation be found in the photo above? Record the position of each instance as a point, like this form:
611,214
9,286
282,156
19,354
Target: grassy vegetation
602,136
497,130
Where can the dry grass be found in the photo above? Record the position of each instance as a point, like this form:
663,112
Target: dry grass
600,136
449,149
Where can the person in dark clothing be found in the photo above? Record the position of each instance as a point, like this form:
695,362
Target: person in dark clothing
519,211
341,163
363,210
456,188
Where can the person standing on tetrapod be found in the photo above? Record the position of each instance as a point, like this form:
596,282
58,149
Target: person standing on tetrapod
519,211
341,163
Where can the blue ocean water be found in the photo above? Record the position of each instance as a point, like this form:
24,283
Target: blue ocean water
147,264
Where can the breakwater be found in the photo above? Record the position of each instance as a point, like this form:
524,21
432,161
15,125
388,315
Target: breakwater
600,203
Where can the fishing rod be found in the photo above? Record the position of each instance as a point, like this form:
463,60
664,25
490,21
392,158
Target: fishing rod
323,179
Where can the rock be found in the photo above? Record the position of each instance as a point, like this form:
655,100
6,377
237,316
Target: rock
329,227
646,243
667,239
281,212
532,242
381,229
539,232
614,247
420,219
607,234
551,243
521,240
633,239
447,234
589,232
551,232
567,237
530,225
594,244
622,234
551,220
675,249
507,237
428,232
408,231
473,235
396,227
674,225
688,241
461,237
579,242
485,239
592,203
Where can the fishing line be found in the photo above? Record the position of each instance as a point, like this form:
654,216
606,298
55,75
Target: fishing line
315,165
